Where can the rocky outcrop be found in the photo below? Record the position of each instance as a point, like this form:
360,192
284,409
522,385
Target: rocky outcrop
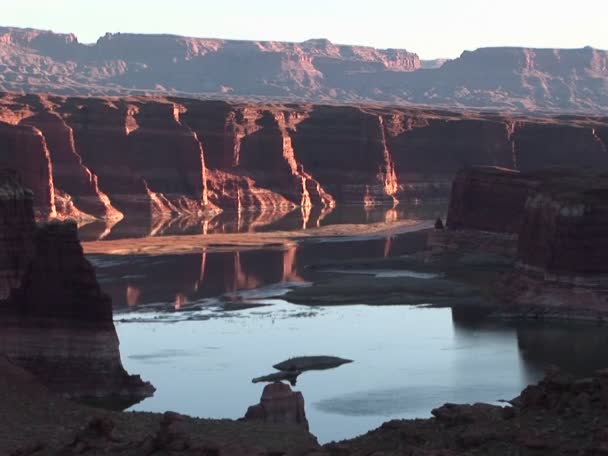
516,79
552,222
490,199
562,248
486,212
17,227
38,421
161,159
56,322
279,405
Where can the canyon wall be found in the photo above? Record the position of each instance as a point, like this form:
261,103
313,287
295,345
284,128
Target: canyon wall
506,78
166,158
554,223
562,248
56,321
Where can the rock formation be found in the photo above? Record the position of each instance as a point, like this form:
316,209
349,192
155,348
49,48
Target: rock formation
552,222
57,323
17,228
279,405
486,211
562,249
162,159
517,79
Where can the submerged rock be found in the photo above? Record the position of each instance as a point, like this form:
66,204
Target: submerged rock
304,363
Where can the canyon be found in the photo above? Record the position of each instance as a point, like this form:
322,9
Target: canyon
159,159
505,79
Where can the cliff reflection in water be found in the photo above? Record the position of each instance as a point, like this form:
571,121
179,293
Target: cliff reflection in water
178,280
256,220
576,348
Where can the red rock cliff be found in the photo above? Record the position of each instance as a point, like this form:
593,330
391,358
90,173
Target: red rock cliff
57,323
163,158
17,226
490,199
562,248
555,222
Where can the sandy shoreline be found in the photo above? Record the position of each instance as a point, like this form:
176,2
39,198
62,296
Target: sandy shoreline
184,244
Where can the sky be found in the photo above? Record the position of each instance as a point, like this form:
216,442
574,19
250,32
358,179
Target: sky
431,28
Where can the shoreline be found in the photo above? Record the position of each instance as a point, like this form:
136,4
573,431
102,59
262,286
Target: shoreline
217,242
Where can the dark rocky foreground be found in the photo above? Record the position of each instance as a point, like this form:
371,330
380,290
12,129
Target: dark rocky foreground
559,416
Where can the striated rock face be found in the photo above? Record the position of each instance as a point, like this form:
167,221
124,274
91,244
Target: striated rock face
17,227
69,173
554,222
279,405
518,79
162,159
486,212
24,148
490,199
57,323
562,247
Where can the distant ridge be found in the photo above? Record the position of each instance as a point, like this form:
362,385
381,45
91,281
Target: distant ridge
502,78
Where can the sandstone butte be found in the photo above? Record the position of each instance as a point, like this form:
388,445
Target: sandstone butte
504,78
54,319
553,222
109,158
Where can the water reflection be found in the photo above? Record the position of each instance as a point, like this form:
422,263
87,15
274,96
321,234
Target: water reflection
272,219
175,281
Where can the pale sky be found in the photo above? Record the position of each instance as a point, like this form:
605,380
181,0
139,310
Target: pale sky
431,28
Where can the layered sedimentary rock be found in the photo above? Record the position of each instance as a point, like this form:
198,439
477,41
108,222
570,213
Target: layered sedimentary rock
70,176
170,158
279,405
57,323
554,223
24,148
562,248
522,79
17,227
490,199
486,211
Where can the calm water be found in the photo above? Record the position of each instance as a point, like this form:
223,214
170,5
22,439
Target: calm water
408,360
250,221
175,332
